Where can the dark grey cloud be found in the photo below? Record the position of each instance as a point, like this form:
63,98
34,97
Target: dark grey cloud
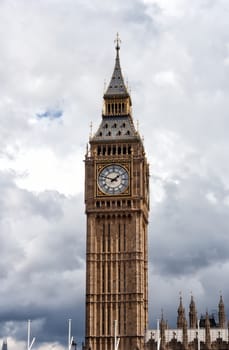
42,261
190,226
189,244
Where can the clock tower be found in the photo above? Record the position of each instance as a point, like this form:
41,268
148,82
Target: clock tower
117,205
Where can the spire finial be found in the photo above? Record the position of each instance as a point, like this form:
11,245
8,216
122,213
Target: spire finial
118,42
91,126
162,314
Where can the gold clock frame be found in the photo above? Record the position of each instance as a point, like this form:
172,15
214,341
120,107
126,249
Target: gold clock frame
101,166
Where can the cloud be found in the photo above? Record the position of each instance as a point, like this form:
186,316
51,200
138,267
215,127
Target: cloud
191,230
54,61
38,234
51,114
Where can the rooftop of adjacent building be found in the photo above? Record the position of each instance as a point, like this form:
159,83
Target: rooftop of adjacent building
218,328
4,345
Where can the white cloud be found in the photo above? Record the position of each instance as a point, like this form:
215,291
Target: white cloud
55,57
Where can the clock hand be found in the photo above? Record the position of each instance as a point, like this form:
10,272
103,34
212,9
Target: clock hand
106,177
115,178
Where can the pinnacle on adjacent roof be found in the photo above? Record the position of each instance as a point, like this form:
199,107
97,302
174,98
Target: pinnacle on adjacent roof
117,87
221,303
192,313
221,313
181,314
180,309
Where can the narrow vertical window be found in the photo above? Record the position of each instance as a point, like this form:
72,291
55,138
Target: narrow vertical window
119,318
109,238
124,237
119,278
119,237
103,320
124,277
103,239
124,313
108,320
103,277
109,277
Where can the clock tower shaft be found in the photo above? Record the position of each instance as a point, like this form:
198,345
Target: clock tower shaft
117,205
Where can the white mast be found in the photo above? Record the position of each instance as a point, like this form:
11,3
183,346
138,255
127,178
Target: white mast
70,338
198,325
29,346
116,339
158,336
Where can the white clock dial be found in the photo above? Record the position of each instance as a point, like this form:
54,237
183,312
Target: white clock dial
113,179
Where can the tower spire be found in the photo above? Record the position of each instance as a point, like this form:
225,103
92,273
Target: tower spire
117,87
118,42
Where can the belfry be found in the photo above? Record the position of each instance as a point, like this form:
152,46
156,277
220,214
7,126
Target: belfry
117,206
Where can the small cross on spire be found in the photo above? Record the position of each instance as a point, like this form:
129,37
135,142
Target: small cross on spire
118,42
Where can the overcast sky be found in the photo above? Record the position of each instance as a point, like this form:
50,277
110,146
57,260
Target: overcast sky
55,58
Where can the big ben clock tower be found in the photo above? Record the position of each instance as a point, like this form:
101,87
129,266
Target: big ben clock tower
117,205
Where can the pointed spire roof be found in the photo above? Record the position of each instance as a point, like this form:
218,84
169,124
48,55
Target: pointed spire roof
180,308
192,305
221,303
117,87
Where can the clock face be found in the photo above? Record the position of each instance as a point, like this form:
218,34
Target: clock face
113,179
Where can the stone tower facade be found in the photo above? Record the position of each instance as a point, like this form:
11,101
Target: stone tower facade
117,205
